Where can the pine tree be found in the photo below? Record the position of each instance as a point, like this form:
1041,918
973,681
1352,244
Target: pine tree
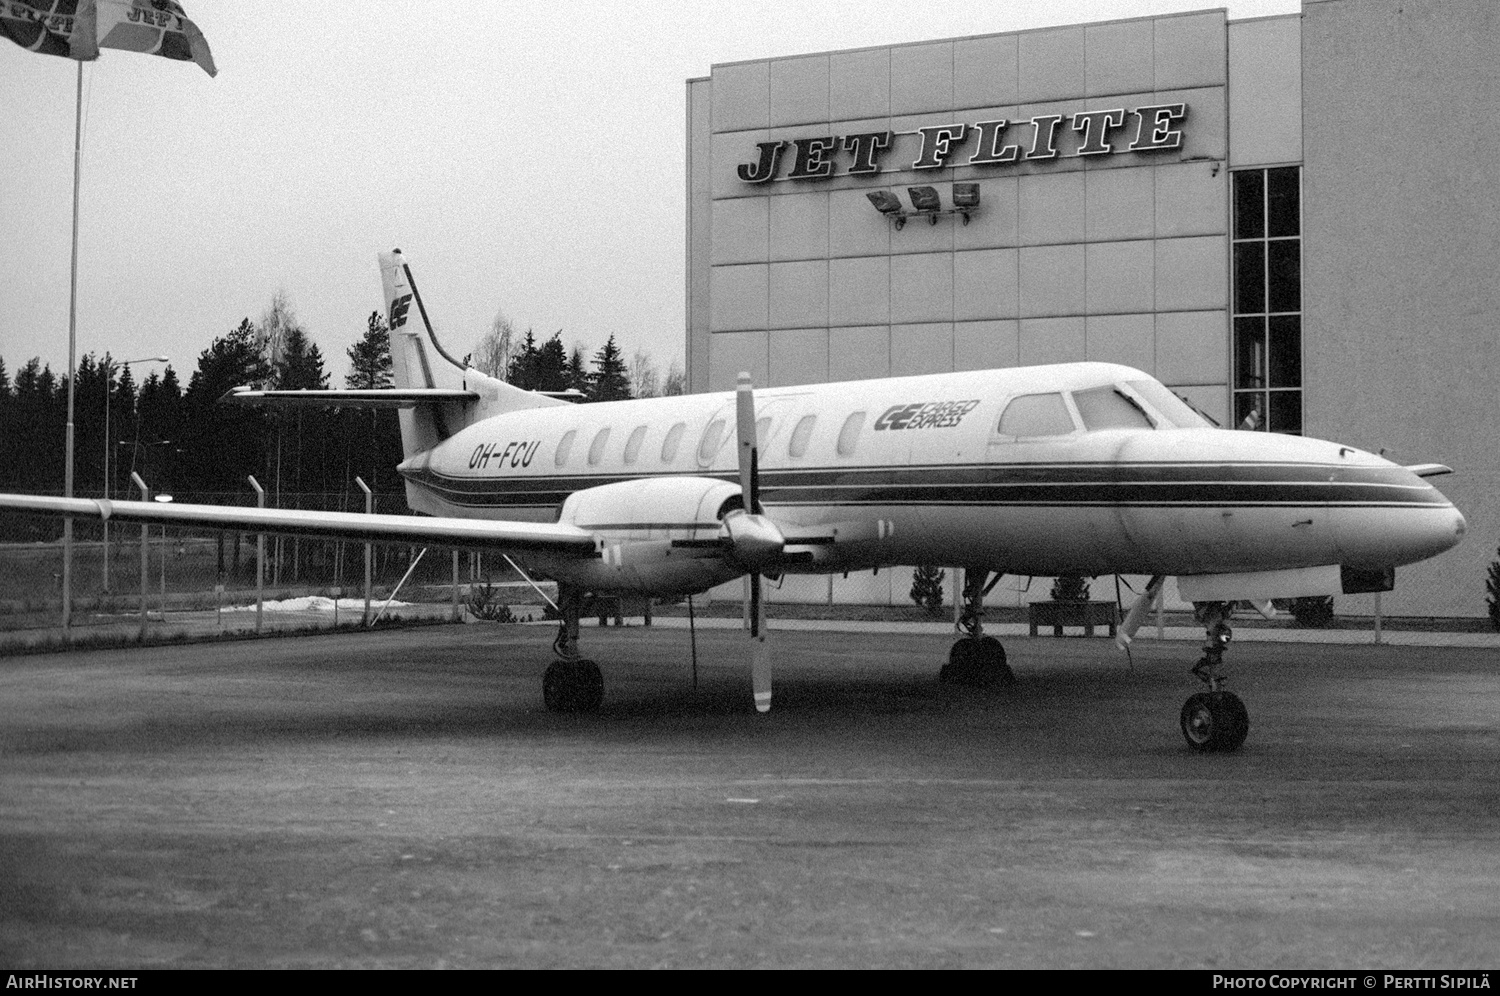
522,370
578,374
610,380
552,365
1070,588
370,357
927,589
221,444
1493,587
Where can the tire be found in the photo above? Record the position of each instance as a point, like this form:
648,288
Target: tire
573,686
960,668
1214,722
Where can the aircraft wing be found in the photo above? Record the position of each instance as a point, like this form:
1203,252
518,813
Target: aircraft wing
387,397
554,538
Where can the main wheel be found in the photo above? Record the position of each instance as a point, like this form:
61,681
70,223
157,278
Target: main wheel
979,663
573,686
1215,721
961,663
992,667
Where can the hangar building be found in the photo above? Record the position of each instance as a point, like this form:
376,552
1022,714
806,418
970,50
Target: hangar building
1293,220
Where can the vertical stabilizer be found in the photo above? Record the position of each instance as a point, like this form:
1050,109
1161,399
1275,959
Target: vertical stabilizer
412,363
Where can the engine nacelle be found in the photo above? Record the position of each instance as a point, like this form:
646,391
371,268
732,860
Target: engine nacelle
661,535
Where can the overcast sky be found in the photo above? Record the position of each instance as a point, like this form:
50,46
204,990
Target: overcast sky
528,158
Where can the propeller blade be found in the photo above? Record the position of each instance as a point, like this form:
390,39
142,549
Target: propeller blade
749,456
753,538
1137,613
760,652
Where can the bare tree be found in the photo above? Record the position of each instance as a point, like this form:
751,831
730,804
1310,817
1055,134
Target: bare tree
276,321
676,382
493,353
645,379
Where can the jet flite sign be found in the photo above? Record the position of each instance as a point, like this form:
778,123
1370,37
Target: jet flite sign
1150,128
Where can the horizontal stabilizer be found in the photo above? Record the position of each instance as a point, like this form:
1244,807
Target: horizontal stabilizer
1429,469
392,397
540,537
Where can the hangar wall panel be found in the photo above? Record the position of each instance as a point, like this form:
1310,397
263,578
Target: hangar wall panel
1400,299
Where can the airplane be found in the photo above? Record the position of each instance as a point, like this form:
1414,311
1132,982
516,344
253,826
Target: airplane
1070,469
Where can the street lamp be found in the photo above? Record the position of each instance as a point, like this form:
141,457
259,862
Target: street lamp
109,373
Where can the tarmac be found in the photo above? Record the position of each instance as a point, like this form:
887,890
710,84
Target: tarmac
402,799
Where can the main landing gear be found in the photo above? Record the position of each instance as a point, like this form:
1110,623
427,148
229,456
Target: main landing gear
572,683
1214,720
976,660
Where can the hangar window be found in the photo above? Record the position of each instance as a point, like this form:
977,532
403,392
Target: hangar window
1036,415
596,448
564,447
633,444
849,434
1110,408
801,434
709,445
673,440
1268,299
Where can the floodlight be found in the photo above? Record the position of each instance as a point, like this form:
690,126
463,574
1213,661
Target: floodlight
887,204
966,199
926,201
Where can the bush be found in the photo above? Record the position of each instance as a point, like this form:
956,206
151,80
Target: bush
1493,587
1070,588
927,589
484,602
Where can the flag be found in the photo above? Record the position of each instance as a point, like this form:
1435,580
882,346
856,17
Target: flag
156,27
52,27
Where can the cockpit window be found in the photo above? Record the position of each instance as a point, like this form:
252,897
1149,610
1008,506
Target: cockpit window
1110,408
1172,408
1036,415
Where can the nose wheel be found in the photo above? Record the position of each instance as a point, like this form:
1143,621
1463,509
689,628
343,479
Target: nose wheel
1215,720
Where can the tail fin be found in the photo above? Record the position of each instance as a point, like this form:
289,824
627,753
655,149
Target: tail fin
412,366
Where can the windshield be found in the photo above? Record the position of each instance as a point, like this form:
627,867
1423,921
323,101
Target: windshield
1172,408
1110,408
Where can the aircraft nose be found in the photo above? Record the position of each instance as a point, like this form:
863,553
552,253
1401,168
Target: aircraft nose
1423,525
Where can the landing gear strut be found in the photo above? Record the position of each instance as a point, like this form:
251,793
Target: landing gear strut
976,660
1214,720
572,683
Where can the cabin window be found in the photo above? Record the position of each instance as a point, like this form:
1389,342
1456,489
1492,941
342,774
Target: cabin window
801,434
1036,415
1108,408
564,447
596,448
713,436
673,440
849,434
762,430
633,444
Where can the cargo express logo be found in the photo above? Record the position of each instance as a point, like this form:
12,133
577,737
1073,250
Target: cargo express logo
1152,128
925,415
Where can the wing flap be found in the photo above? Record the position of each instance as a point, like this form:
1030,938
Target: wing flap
532,537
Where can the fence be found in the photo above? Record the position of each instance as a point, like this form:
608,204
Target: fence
133,582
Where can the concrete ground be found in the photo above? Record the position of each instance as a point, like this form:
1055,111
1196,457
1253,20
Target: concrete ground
402,799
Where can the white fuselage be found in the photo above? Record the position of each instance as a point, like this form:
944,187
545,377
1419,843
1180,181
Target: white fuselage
941,469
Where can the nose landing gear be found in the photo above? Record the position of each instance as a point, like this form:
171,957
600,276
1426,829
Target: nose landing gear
1215,720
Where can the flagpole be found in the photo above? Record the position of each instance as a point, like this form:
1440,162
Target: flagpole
67,578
